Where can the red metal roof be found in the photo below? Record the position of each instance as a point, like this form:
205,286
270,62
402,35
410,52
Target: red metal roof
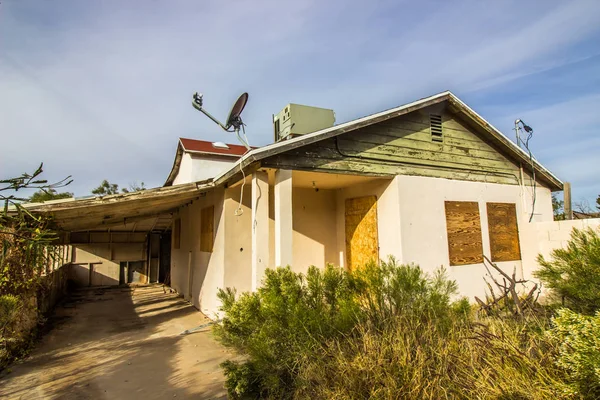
207,147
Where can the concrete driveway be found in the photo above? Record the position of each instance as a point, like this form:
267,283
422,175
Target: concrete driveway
121,343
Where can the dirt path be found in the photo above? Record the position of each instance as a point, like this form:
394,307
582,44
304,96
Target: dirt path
121,343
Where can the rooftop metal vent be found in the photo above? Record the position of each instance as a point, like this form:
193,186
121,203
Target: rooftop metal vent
435,123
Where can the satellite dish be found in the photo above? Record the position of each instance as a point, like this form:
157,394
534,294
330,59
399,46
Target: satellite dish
234,115
234,120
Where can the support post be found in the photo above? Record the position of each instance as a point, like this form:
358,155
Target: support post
283,218
567,201
260,227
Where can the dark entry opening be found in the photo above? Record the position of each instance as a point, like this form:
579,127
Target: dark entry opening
164,272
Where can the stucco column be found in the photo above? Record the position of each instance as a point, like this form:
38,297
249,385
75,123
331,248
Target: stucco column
260,227
283,218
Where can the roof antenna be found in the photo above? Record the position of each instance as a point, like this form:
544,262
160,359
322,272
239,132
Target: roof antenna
234,120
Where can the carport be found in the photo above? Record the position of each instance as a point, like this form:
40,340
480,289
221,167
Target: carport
122,238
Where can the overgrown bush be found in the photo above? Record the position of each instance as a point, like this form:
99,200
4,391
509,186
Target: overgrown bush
25,251
573,273
386,331
413,359
578,339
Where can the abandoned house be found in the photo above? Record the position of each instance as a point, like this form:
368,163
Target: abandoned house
430,183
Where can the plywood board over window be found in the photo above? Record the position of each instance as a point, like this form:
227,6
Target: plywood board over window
463,227
504,233
177,233
207,222
362,242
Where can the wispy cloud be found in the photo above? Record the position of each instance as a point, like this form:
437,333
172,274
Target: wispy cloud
103,89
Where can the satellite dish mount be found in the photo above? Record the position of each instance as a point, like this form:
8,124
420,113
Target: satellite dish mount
234,120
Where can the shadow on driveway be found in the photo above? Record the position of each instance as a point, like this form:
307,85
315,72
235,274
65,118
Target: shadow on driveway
121,343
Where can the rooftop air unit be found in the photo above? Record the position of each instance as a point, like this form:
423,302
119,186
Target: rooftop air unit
295,120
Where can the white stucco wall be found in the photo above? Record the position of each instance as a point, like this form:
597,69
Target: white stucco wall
238,246
207,269
196,167
543,237
314,239
423,223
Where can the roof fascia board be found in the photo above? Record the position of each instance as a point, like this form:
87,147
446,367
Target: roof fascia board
212,154
276,148
122,197
500,137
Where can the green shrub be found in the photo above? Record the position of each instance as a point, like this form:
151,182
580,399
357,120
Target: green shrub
578,339
282,327
573,273
386,331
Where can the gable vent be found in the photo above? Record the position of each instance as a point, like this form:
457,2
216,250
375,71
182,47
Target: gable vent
435,122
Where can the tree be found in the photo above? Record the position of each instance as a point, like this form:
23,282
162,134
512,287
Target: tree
598,203
26,250
134,187
48,194
106,188
558,208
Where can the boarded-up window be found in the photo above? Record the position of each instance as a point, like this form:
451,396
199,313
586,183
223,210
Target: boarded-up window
504,234
464,232
177,233
362,243
207,217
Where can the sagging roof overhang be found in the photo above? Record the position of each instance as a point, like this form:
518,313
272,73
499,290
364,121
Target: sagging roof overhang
251,161
101,213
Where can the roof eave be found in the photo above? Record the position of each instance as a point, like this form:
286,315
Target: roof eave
518,153
176,165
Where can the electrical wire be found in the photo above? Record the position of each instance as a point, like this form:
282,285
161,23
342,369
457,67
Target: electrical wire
526,145
239,211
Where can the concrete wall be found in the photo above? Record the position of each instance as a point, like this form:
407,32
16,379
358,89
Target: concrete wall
105,259
205,269
54,288
423,223
195,167
543,237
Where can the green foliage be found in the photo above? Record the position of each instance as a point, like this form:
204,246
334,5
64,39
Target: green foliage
26,242
283,326
578,339
598,202
48,194
573,273
134,187
106,188
558,208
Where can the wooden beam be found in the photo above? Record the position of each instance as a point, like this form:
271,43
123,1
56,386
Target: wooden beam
568,206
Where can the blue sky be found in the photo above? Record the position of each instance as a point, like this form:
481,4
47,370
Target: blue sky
102,89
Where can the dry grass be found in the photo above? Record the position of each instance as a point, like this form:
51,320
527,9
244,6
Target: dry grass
413,359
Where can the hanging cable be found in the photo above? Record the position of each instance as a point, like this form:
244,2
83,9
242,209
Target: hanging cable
525,143
239,211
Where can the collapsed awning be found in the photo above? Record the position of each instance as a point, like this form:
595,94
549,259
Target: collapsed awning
145,210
